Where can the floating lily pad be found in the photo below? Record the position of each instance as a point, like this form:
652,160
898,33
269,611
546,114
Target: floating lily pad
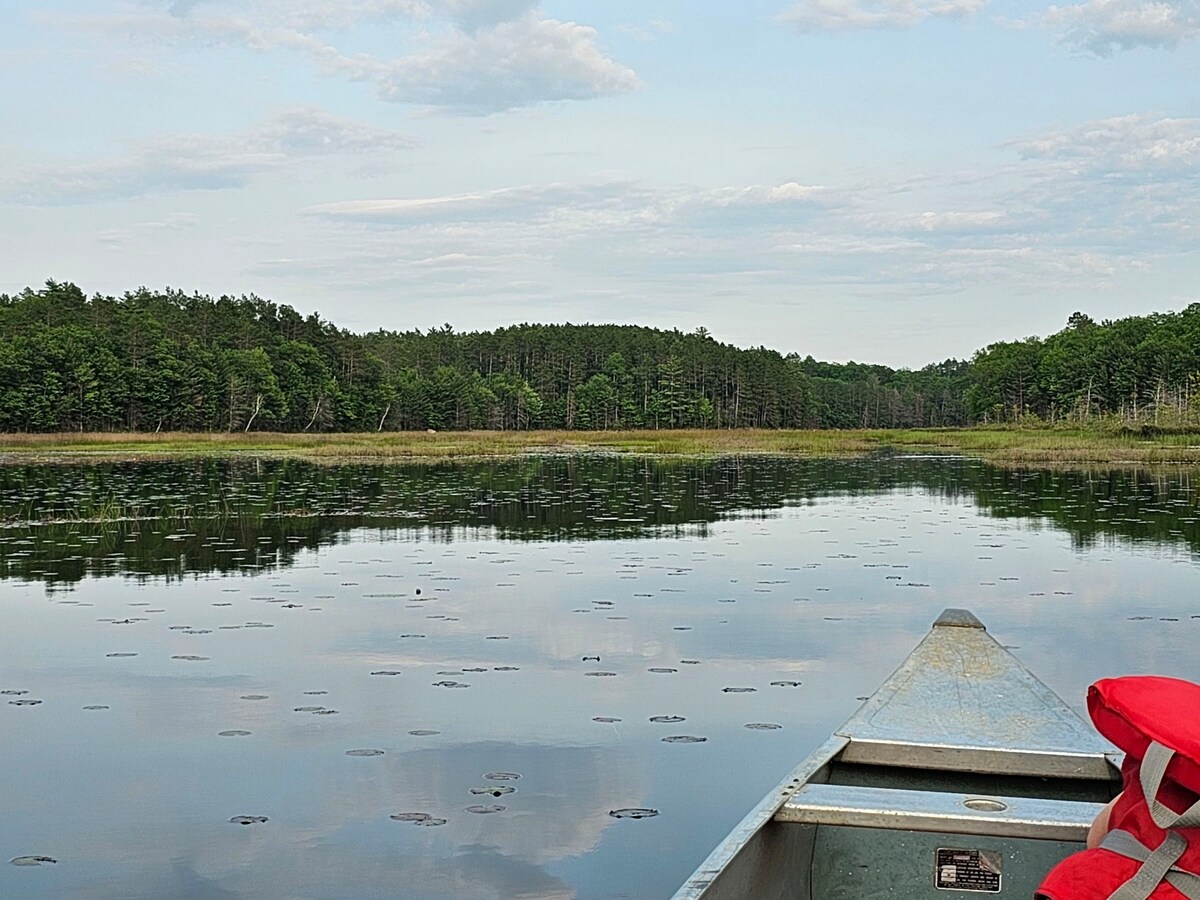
248,820
497,791
325,712
364,752
423,732
633,812
450,684
606,719
255,697
684,739
423,819
386,672
785,684
505,668
119,655
24,702
600,674
410,817
763,726
485,810
32,860
667,719
738,690
233,732
502,776
662,670
14,693
308,709
97,706
190,657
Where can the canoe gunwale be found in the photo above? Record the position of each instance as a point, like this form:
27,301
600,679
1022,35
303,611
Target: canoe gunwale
725,855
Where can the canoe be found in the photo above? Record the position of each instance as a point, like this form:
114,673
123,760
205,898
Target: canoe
962,775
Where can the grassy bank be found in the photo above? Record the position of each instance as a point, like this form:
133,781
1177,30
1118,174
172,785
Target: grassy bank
999,444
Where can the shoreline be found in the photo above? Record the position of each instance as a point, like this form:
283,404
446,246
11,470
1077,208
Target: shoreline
1045,446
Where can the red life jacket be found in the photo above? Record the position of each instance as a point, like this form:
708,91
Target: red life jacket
1153,847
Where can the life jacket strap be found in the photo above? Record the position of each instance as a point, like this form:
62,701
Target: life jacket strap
1157,866
1154,766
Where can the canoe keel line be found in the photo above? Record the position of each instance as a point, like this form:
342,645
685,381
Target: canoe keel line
963,775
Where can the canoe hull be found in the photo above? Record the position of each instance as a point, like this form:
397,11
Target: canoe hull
963,776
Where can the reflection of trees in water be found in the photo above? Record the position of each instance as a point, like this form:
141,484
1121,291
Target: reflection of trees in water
168,519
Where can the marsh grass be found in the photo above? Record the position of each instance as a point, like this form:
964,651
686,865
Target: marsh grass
1033,445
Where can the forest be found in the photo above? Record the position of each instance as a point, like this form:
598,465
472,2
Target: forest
170,361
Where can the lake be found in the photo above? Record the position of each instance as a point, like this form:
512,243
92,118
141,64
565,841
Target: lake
278,679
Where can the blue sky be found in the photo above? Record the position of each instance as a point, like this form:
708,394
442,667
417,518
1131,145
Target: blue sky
894,181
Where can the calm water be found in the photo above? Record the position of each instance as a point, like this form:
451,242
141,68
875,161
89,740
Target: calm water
331,646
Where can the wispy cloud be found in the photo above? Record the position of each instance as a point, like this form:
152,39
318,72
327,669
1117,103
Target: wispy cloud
199,162
1072,207
464,56
1103,27
1139,146
848,15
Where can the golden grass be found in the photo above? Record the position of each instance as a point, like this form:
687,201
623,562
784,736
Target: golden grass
1012,445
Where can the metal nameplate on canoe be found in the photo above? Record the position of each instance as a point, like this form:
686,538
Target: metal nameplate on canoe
967,870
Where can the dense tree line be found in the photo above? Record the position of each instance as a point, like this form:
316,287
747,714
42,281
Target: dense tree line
1141,370
151,361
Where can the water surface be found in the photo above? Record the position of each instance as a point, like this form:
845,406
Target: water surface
439,681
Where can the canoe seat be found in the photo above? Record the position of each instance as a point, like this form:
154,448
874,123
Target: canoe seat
949,813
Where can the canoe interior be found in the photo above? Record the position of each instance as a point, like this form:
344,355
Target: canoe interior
833,862
874,820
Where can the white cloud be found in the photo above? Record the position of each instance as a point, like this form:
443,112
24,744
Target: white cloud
199,162
510,65
1105,26
845,15
1136,145
468,56
609,204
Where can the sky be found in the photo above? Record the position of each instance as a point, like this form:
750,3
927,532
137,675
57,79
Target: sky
888,181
